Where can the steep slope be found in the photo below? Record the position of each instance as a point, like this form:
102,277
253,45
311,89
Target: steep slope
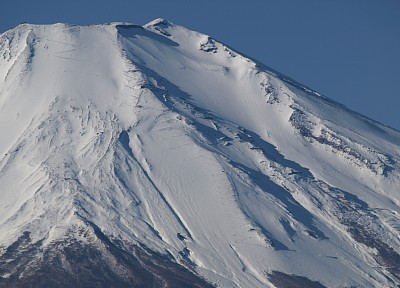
158,156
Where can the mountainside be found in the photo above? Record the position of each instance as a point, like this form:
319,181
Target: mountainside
156,156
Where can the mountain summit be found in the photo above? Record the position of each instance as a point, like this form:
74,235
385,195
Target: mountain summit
156,156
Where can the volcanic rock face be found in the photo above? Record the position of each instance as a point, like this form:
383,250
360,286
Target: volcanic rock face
156,156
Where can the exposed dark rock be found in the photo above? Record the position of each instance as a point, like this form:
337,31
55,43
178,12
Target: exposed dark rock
387,256
282,280
100,262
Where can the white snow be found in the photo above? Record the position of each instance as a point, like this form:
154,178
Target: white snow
158,130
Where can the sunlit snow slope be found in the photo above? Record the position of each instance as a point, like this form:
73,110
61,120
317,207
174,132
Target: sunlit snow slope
159,149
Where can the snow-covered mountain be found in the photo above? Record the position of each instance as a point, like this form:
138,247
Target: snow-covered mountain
156,156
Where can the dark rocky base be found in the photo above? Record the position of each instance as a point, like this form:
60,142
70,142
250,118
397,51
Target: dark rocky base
106,263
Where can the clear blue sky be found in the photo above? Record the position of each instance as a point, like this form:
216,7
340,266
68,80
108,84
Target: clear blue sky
348,50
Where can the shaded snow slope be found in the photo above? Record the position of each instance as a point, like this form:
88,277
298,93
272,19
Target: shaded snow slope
164,137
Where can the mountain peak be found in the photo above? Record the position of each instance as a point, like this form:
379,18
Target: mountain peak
159,151
159,22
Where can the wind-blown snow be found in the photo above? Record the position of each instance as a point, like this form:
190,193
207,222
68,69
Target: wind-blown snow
164,136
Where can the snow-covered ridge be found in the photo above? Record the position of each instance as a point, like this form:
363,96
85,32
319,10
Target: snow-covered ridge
162,136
